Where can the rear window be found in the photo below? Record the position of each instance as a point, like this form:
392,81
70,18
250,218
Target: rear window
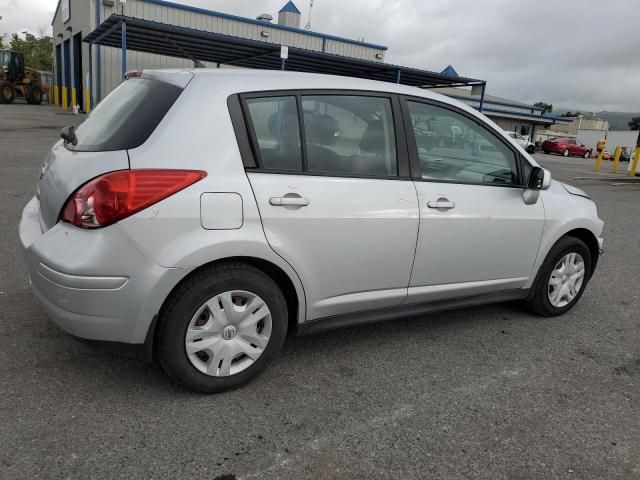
127,116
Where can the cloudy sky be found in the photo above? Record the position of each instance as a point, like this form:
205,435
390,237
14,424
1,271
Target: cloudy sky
572,53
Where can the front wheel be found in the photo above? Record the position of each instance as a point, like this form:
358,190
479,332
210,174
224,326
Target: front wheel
221,328
562,278
7,92
587,154
531,149
565,153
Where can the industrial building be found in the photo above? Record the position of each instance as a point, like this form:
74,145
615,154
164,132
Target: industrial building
510,115
97,41
84,73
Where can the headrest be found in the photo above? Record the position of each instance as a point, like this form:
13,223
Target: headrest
373,139
321,130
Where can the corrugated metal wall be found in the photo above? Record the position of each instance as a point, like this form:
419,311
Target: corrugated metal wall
109,74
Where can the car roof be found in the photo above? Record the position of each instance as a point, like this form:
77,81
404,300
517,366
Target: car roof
239,80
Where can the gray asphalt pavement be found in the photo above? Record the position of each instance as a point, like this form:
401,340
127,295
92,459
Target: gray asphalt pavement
491,392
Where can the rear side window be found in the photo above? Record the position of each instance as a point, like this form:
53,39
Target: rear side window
277,131
337,135
127,116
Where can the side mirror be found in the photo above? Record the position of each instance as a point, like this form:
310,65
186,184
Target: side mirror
539,179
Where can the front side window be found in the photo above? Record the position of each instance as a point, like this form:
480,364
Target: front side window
276,127
351,135
452,147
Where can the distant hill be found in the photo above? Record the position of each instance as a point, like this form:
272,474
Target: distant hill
617,120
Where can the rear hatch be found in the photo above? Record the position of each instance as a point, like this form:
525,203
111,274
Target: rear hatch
123,120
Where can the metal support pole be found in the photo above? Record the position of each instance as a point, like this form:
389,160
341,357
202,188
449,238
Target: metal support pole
89,88
532,137
283,64
616,159
398,76
124,49
98,94
484,86
634,162
598,164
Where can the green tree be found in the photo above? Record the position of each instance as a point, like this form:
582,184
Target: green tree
571,114
37,51
547,107
634,124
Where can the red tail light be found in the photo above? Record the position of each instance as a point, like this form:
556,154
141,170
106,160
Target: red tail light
109,198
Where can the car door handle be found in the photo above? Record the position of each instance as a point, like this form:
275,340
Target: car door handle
285,201
441,204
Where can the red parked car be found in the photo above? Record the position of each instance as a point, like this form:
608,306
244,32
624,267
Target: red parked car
566,147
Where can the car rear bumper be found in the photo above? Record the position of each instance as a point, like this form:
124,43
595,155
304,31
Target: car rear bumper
95,284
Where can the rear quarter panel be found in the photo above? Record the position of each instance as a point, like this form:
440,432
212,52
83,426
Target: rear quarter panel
197,134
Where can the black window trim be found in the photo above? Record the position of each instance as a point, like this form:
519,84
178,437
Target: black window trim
251,157
416,169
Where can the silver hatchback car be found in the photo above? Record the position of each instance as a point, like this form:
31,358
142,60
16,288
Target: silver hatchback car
202,215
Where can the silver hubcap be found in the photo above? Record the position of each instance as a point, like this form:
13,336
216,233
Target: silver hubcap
228,333
566,280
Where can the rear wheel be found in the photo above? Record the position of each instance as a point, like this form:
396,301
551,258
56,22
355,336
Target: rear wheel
34,95
562,278
7,92
531,149
221,328
565,153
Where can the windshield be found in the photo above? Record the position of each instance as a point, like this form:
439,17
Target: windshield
127,116
4,58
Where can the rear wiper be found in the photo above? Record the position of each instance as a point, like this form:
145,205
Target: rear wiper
69,135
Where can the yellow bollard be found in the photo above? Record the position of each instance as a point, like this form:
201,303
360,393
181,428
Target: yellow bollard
598,161
616,159
74,99
87,101
634,162
65,101
56,96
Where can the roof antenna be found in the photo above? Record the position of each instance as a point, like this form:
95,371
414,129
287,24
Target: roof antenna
308,25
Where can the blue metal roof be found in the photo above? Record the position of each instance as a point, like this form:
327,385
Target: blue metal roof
172,40
450,71
290,8
487,103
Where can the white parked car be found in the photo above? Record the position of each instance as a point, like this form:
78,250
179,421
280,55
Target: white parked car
202,215
523,141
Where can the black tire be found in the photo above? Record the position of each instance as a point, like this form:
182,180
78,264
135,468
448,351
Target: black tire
187,298
538,300
565,153
546,152
531,149
7,92
34,95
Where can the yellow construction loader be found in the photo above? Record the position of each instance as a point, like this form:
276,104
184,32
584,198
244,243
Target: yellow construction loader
18,80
